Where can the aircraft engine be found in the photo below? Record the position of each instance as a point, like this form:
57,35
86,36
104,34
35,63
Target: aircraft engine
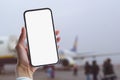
67,62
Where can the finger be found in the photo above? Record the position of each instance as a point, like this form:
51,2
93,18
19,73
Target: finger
35,68
58,39
22,36
26,49
57,32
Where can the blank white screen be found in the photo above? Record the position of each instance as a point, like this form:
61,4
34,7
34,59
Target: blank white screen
41,37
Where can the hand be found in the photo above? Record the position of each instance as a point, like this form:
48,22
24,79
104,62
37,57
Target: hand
23,68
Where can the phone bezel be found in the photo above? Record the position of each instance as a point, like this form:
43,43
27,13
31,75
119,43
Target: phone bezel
29,56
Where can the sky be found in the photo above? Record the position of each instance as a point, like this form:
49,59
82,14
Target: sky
95,22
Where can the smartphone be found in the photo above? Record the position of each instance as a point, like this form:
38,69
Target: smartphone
41,37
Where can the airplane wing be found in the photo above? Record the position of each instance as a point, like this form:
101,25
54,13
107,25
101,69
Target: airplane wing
83,56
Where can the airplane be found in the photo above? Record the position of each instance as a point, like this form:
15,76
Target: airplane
7,51
67,58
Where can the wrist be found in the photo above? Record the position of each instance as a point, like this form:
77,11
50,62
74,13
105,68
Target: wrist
24,71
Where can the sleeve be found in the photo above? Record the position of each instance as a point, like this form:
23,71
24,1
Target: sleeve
23,78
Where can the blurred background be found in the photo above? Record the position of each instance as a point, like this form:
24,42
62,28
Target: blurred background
89,31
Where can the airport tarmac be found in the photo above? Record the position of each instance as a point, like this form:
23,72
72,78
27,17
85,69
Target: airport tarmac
9,74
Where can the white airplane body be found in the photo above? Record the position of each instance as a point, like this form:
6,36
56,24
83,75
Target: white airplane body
71,57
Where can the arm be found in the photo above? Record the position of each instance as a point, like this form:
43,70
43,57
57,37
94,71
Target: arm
24,71
23,68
